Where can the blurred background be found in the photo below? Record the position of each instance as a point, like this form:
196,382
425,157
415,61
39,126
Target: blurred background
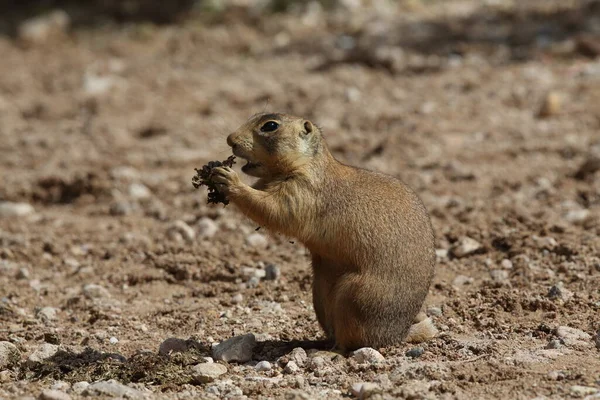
489,109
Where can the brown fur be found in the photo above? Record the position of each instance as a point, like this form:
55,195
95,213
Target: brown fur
370,236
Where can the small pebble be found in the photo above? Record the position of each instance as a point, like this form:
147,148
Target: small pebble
113,340
291,368
551,105
23,273
499,275
434,311
257,240
298,355
139,191
47,314
465,247
237,298
263,366
93,291
553,344
367,355
272,272
8,209
207,228
208,372
506,264
415,352
179,229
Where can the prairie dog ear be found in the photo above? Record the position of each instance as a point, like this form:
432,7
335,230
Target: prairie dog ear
308,128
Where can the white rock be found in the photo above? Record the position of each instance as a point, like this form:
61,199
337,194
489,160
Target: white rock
249,272
9,209
113,340
125,173
577,216
23,273
42,353
499,275
298,355
573,336
208,372
50,394
363,390
47,314
434,311
257,240
367,355
465,247
237,298
581,391
545,242
207,228
9,355
112,388
79,387
263,366
237,349
60,385
183,230
506,264
40,29
96,85
462,280
139,191
93,291
291,368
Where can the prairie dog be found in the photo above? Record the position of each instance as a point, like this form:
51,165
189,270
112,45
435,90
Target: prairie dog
370,237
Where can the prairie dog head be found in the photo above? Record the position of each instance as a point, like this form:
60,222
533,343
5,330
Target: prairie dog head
275,144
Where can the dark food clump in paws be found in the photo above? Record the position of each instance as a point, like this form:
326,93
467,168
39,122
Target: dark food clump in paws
204,177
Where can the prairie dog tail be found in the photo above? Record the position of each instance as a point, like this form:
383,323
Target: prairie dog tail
422,330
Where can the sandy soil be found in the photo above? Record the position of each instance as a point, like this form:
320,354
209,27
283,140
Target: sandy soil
490,112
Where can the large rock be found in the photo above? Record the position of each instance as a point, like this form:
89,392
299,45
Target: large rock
236,349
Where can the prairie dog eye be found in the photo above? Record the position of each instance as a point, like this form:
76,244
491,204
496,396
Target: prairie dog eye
269,126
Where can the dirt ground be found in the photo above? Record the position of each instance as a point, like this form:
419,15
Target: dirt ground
489,110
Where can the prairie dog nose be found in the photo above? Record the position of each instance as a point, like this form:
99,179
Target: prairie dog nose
230,140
